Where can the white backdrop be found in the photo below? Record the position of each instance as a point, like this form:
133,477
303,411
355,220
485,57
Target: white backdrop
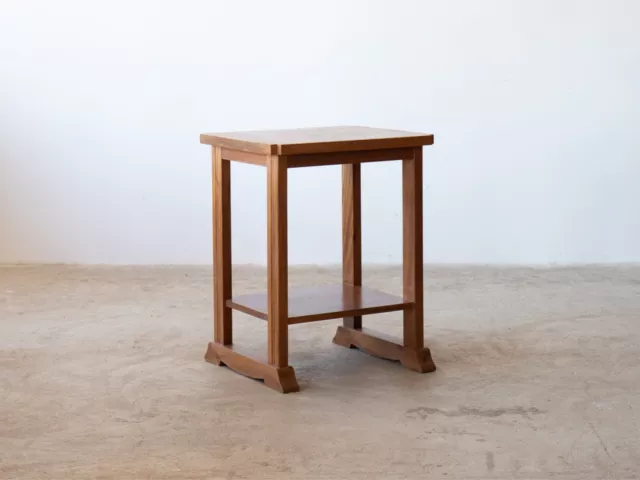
535,106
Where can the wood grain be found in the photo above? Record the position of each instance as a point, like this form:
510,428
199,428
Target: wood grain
371,343
351,233
316,140
245,157
283,149
323,302
277,267
222,328
342,158
412,263
280,379
368,342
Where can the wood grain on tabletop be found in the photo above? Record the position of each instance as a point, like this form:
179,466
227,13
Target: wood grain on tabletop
316,140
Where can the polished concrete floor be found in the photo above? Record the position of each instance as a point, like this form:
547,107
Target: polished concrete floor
102,376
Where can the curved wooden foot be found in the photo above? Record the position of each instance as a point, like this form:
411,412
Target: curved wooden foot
280,379
419,361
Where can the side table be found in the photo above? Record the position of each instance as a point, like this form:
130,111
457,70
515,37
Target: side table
279,150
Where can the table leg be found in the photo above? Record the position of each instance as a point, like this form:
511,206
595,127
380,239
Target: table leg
416,356
222,328
276,372
351,233
277,270
411,353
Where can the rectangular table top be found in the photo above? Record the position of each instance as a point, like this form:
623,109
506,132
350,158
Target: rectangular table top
316,140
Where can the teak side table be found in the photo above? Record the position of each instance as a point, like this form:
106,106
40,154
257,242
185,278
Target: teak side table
279,150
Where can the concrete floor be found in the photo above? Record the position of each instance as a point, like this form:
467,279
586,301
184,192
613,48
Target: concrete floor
102,376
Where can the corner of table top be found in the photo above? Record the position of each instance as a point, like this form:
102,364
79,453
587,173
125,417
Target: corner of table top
235,144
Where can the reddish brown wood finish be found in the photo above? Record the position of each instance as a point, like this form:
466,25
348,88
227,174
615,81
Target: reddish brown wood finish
245,157
300,141
412,265
417,360
282,149
221,248
322,303
351,233
280,379
345,158
277,267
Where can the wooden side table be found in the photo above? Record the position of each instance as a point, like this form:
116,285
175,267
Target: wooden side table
279,150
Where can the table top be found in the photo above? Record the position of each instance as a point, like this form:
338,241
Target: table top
316,140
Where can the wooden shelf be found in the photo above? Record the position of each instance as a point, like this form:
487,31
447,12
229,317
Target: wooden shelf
323,303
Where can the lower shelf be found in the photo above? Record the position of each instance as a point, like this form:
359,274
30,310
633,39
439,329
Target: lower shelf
323,303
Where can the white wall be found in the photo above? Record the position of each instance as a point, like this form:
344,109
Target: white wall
535,106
